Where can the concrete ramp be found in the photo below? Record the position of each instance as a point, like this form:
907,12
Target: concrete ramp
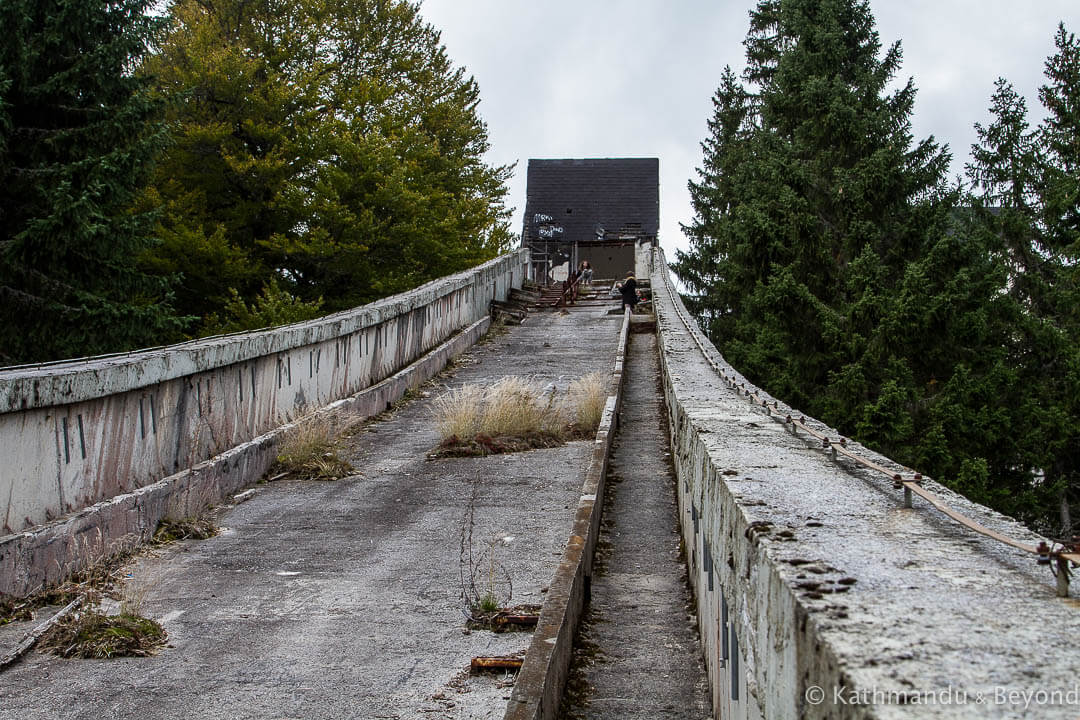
343,599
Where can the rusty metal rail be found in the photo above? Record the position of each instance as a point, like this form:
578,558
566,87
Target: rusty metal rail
1060,556
570,287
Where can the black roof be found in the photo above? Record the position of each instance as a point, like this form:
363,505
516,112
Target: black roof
583,196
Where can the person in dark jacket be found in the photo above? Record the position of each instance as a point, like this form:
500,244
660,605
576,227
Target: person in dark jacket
628,289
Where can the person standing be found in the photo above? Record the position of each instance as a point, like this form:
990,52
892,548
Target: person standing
628,290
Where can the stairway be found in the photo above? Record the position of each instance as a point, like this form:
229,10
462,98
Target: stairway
539,298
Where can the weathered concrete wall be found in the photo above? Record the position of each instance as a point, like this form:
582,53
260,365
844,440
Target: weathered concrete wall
643,259
78,433
820,596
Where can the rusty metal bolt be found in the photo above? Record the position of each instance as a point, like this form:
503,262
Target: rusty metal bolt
918,478
825,443
788,420
897,481
843,442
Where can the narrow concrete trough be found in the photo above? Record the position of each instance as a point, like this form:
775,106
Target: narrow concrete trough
539,687
820,595
98,451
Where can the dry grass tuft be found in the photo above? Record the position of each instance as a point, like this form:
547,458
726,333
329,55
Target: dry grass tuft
588,395
516,414
192,528
94,635
310,452
458,412
516,407
513,414
97,579
89,633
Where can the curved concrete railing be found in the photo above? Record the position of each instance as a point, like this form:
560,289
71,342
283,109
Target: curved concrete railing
820,595
95,434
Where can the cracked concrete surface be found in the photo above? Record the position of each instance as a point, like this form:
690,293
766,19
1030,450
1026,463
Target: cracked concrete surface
343,599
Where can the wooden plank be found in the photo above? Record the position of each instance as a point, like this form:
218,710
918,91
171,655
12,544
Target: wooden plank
495,664
32,637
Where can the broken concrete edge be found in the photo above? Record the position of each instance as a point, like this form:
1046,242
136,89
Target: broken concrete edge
46,555
540,683
71,381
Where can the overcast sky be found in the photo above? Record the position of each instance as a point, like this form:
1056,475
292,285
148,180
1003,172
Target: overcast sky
634,78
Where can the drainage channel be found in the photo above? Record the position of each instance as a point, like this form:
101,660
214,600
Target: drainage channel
637,654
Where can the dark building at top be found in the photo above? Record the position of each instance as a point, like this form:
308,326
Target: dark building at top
598,210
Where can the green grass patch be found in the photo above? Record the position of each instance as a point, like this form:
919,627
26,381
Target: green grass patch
94,635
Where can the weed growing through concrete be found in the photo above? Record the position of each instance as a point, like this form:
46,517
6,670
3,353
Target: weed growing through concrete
485,583
310,451
516,414
517,407
91,634
192,528
487,604
587,397
96,577
458,412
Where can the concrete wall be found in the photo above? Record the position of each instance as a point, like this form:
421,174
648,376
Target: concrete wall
820,595
80,433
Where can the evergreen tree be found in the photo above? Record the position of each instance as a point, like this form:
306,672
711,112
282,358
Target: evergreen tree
1058,191
1059,187
78,137
828,194
327,149
714,197
1024,208
829,258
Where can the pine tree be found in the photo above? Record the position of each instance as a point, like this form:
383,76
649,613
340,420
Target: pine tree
830,259
1058,191
710,266
1024,209
1059,188
831,194
78,137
